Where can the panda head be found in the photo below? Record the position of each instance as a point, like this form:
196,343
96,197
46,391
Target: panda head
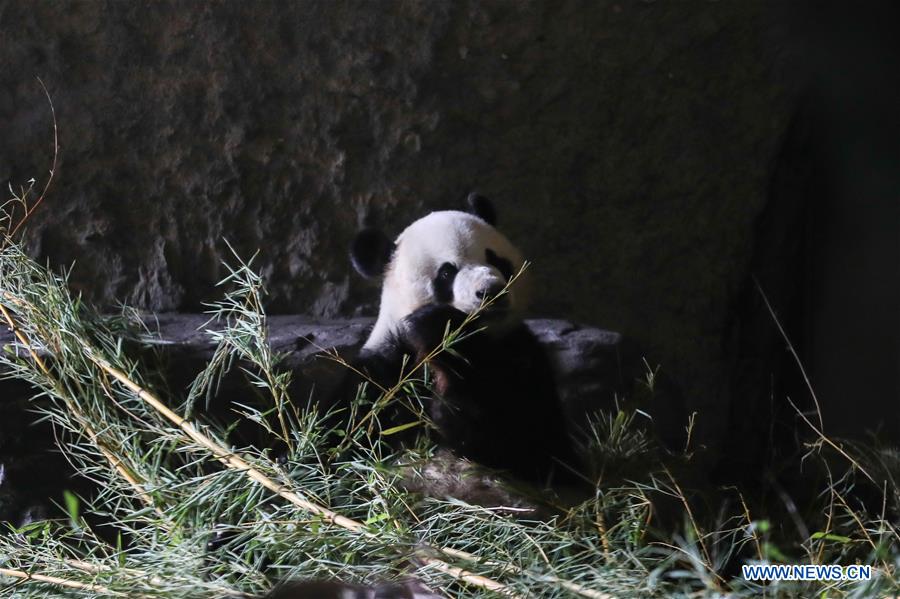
448,257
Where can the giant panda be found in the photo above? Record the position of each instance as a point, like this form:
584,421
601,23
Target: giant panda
493,396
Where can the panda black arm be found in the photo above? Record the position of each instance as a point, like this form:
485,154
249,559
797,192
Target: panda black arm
496,399
425,329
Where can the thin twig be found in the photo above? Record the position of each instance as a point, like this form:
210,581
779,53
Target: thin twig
830,519
862,527
29,210
790,347
831,443
819,430
751,527
697,531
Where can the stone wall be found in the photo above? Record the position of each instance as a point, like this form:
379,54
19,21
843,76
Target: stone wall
627,145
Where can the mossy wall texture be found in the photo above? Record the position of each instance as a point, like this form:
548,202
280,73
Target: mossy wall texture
628,146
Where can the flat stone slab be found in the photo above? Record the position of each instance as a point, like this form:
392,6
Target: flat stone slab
592,365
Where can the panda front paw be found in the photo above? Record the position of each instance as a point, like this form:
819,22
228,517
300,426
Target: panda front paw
426,328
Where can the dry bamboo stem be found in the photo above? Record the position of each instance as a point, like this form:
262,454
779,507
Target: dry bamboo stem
223,454
63,582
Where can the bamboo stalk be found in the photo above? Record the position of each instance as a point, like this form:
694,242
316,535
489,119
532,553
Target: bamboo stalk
470,578
573,587
156,580
63,582
223,454
97,568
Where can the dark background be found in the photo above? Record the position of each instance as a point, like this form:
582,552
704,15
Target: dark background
651,158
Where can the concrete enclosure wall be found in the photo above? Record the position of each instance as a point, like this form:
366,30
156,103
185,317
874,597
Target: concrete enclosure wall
628,146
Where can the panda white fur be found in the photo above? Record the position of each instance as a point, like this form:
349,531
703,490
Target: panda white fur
494,397
477,260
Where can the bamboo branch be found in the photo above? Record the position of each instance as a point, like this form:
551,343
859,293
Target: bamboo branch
63,582
155,580
223,454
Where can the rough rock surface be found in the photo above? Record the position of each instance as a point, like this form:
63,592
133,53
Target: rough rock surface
592,367
627,145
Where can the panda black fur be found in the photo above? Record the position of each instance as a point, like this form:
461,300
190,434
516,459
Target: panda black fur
494,396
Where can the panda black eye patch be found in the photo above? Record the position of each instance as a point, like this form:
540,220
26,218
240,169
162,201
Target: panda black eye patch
443,283
502,264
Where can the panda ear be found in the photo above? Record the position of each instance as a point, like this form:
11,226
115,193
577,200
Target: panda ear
482,207
370,252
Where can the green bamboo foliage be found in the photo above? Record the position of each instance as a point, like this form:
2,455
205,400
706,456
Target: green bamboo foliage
168,482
